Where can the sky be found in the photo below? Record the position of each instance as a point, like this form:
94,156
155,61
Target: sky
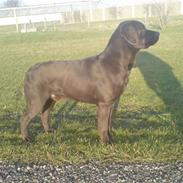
40,2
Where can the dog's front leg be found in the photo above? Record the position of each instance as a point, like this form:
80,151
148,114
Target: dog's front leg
104,122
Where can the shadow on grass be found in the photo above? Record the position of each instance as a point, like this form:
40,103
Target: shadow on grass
64,110
160,78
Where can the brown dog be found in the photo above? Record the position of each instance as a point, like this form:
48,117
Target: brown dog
99,80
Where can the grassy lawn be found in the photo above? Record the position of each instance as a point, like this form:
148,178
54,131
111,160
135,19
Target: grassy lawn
149,122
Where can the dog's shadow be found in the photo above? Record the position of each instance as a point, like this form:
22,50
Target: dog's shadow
71,111
159,76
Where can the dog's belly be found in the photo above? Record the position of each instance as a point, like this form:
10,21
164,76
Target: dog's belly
94,97
88,94
80,92
78,97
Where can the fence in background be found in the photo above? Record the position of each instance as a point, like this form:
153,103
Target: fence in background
86,11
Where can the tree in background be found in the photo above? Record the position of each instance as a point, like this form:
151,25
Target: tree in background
162,10
157,13
12,3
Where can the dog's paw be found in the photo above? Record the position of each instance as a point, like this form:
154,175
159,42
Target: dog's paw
26,139
50,130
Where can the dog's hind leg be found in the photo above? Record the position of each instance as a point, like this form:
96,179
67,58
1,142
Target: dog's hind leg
35,103
31,112
45,114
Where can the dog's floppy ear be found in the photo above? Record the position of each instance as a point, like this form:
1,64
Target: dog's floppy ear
128,34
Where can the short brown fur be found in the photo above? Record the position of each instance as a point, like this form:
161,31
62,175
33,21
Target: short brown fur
99,79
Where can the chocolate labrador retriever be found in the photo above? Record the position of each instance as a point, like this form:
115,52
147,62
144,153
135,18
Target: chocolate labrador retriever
99,79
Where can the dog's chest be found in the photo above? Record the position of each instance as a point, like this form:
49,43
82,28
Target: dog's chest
128,71
121,80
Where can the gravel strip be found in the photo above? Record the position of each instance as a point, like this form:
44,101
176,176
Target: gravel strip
91,172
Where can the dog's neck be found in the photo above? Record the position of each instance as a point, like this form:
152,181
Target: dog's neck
119,51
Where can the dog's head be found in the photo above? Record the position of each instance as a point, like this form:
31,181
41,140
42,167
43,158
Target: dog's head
136,35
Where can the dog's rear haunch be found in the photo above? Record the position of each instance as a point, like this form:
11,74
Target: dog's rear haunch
99,79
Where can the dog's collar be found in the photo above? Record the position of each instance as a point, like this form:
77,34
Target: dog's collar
126,39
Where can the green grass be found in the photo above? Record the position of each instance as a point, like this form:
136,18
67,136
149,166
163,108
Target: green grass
148,125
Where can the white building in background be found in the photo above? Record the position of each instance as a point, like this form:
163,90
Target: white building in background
80,11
